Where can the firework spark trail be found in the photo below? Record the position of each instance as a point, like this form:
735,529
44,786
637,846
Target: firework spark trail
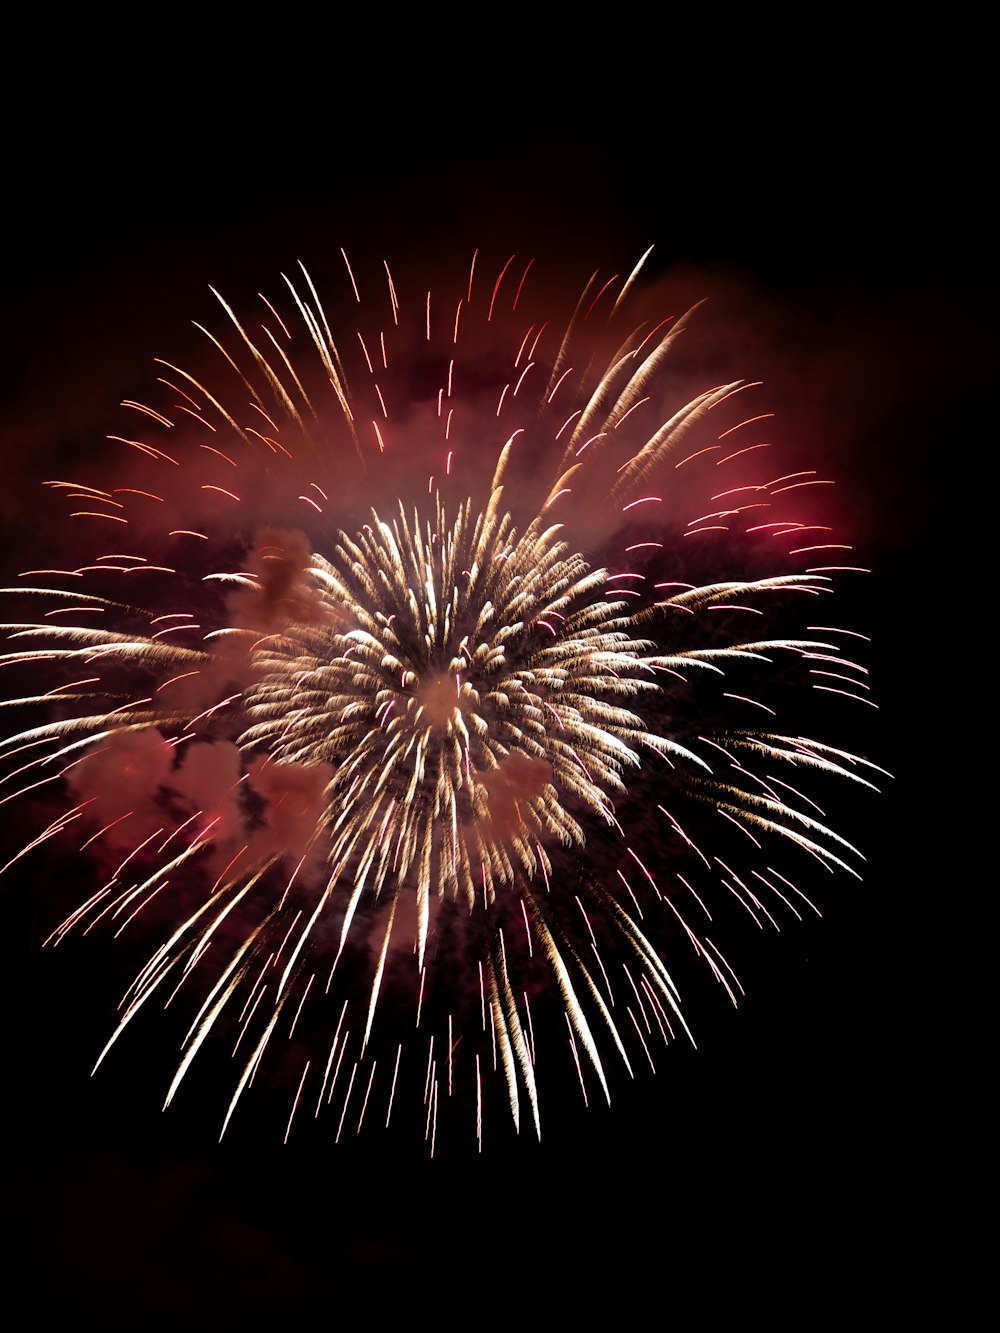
367,754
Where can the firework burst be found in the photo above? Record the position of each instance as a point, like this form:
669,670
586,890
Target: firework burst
355,705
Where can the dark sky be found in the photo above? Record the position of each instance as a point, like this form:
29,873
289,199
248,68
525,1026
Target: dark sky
832,211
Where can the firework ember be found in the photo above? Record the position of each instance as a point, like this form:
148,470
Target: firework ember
406,690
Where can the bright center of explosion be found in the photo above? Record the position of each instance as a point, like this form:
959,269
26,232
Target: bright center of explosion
440,699
457,678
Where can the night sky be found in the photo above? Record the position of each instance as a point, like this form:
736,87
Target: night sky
832,215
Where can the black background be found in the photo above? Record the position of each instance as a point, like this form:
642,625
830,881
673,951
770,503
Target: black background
835,200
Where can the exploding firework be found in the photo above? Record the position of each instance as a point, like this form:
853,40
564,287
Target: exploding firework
395,706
